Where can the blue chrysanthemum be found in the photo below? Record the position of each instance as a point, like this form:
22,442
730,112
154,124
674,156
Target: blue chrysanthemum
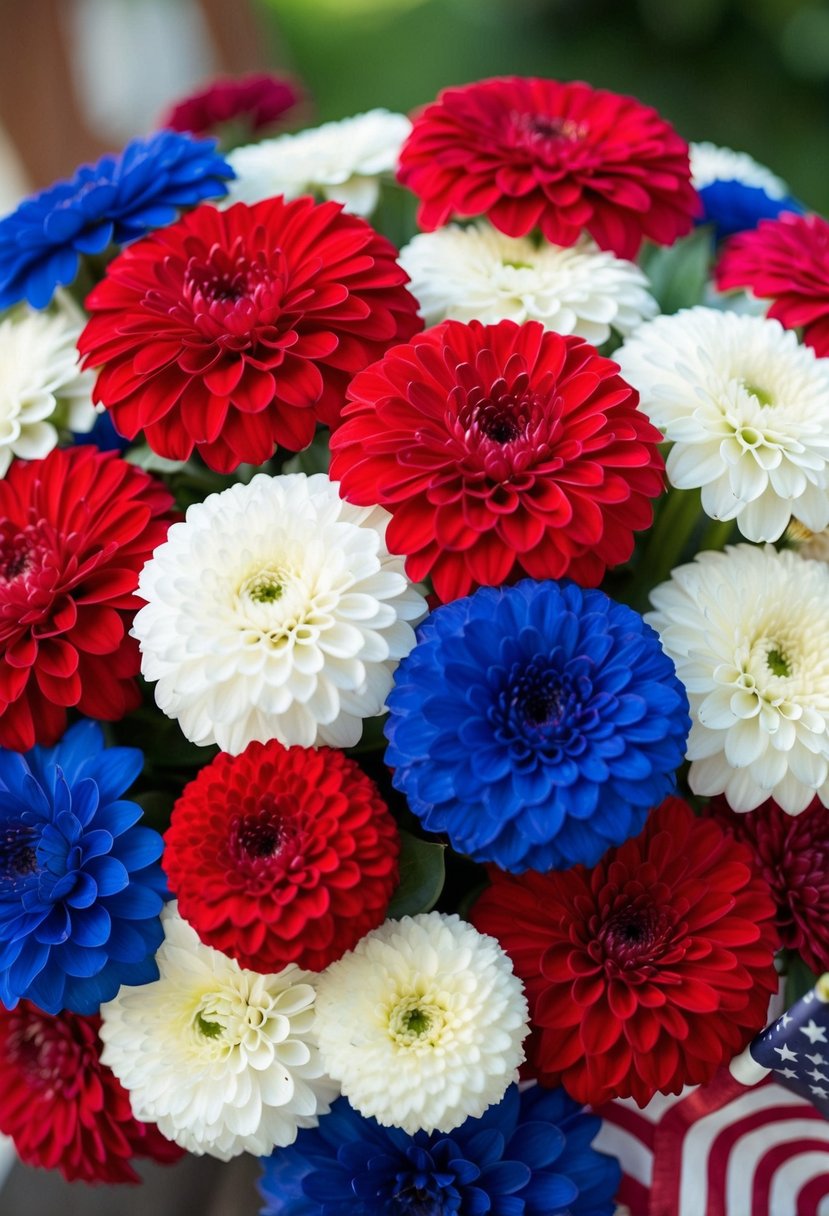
736,192
536,725
112,202
103,435
80,885
530,1155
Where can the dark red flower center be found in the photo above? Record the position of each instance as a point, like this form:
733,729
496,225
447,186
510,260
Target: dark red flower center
46,1051
266,836
502,427
21,551
544,136
233,293
636,935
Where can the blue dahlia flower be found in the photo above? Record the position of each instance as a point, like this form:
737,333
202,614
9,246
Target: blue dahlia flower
536,725
112,202
80,885
732,206
529,1155
103,435
736,192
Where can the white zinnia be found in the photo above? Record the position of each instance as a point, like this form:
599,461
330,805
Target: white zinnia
479,274
339,160
41,384
747,410
748,630
711,163
224,1060
275,612
422,1023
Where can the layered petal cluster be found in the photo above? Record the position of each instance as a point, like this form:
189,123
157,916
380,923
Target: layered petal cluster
422,1023
257,100
42,386
275,612
343,161
746,408
80,885
223,1060
749,634
528,1155
648,972
250,334
535,725
75,530
477,273
785,261
792,854
112,202
736,192
500,450
281,855
559,156
62,1107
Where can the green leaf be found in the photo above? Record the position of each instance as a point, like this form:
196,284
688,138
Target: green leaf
422,873
678,273
800,979
147,459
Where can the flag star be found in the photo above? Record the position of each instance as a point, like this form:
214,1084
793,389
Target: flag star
788,1073
817,1058
815,1033
785,1053
808,998
786,1018
817,1075
819,1091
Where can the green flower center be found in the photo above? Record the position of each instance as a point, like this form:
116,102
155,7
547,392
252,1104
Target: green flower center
777,663
759,394
210,1030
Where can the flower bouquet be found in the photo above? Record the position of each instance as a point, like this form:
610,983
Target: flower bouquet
414,700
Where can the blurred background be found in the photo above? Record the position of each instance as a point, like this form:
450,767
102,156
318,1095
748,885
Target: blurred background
80,77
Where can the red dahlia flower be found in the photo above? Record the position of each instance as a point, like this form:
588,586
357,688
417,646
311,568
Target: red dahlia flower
75,530
232,331
500,450
63,1108
282,855
792,854
258,100
787,261
647,972
565,158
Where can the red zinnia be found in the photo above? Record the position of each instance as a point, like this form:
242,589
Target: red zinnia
648,972
75,530
282,855
258,100
232,331
792,854
565,158
785,260
63,1108
500,450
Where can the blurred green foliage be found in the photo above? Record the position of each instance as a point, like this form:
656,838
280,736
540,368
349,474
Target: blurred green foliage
752,74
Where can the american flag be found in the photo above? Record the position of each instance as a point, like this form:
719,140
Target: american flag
755,1142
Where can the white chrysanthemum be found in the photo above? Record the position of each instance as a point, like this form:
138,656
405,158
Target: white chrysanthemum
41,384
275,612
339,160
224,1060
747,410
748,630
712,163
478,273
422,1023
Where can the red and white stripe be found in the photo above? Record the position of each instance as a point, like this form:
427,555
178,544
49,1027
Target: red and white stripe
721,1150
